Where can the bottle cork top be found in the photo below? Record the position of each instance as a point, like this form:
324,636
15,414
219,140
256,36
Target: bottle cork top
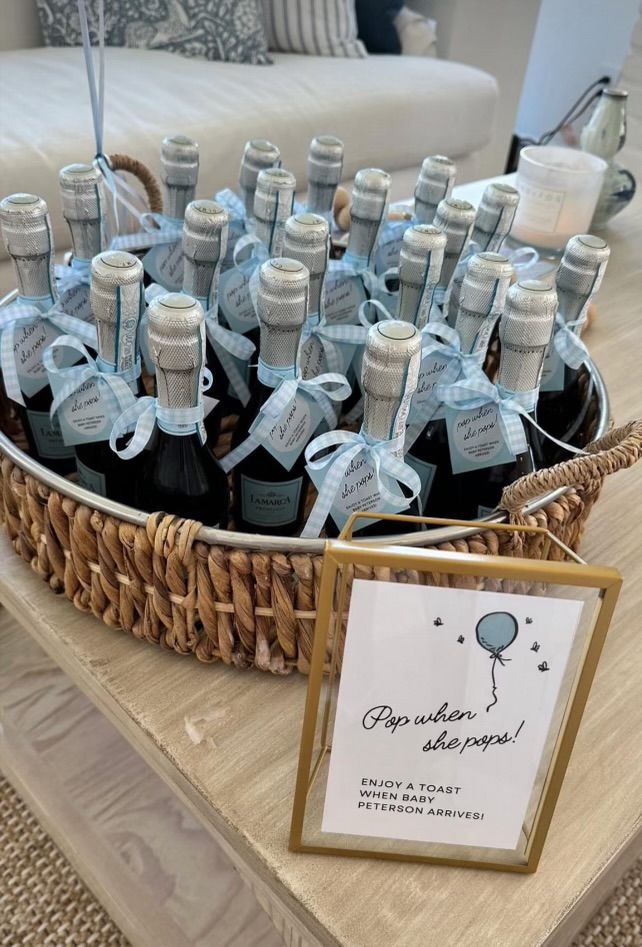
422,245
79,179
179,161
274,194
390,361
370,194
282,307
325,160
495,215
205,231
582,266
257,155
455,216
25,225
525,330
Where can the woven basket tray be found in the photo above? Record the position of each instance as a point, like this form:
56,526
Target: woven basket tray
245,599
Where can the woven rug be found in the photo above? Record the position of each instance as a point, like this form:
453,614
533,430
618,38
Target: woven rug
43,902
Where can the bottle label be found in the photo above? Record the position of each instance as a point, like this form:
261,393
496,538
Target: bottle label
89,414
360,492
91,479
553,371
426,475
235,301
164,263
539,208
343,296
76,302
47,436
270,504
292,430
476,439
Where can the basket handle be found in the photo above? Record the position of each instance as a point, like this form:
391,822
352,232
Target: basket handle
120,162
618,449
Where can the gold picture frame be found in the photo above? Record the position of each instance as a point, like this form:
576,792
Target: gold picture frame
600,586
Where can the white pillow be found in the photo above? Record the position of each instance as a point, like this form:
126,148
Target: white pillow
315,27
417,34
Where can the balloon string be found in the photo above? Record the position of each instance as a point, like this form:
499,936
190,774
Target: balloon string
495,658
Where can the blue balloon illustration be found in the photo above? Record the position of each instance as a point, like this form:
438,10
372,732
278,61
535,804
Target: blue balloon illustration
496,632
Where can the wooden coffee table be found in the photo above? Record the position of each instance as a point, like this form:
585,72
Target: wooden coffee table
239,780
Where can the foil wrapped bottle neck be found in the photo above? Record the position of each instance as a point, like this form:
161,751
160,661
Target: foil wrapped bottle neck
179,173
367,213
205,236
389,377
307,239
257,155
282,306
434,184
177,347
83,200
420,262
482,298
117,304
495,216
28,239
580,274
273,204
525,330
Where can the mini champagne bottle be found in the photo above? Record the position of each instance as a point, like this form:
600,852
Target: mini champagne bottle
257,155
434,184
325,167
181,475
524,331
179,174
420,262
455,218
492,224
28,240
389,377
566,392
205,232
273,204
83,202
482,301
117,304
307,239
268,498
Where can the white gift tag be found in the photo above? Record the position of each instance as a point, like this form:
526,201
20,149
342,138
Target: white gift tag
292,431
235,301
164,263
343,296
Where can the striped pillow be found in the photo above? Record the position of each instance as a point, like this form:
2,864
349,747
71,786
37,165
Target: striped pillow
315,27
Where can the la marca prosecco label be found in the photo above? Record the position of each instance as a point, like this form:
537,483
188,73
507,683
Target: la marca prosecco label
270,504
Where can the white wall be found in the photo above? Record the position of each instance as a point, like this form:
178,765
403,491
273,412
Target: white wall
576,42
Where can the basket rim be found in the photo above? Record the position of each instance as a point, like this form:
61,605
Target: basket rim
291,544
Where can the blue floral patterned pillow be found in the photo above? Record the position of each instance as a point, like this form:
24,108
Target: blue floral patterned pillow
231,30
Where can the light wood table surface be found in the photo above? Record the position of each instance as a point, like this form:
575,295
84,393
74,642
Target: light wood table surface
240,779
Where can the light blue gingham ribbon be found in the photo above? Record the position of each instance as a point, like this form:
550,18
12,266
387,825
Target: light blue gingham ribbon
380,455
324,389
143,416
514,407
116,399
69,277
229,345
567,344
23,313
441,340
331,338
232,203
157,229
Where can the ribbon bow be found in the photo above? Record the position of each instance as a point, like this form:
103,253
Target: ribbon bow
120,394
324,389
69,277
568,345
333,465
142,417
20,314
232,203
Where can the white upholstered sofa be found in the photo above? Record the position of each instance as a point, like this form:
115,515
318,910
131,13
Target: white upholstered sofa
390,111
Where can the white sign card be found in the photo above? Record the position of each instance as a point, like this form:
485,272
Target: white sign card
445,702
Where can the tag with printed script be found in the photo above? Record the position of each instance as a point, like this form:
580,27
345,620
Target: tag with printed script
476,438
343,296
88,415
164,263
292,431
29,344
235,301
76,302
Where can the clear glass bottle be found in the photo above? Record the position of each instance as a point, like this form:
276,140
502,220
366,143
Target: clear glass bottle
268,497
28,239
117,304
181,475
325,167
434,184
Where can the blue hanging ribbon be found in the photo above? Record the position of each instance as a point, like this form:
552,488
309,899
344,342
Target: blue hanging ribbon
157,230
324,389
119,395
568,344
20,314
69,277
334,464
